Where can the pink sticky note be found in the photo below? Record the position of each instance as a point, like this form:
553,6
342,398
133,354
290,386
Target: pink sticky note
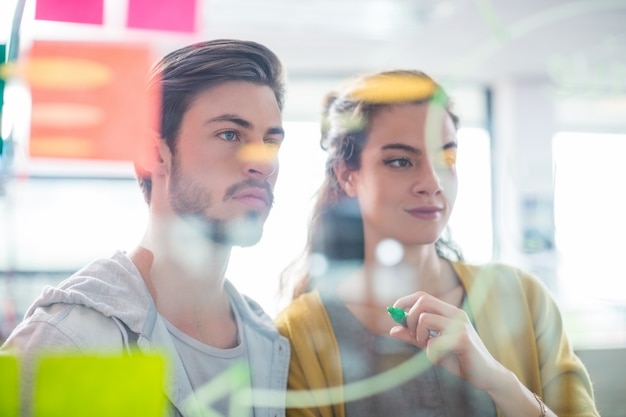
168,15
83,11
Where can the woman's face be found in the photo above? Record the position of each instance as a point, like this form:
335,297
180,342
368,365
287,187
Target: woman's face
407,184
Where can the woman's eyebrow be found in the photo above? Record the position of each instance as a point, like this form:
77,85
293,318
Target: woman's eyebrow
411,149
401,147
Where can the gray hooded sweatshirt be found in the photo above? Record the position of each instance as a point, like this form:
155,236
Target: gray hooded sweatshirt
106,307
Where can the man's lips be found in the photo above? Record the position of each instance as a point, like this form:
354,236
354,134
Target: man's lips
256,198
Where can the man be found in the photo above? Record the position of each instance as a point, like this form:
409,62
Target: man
208,179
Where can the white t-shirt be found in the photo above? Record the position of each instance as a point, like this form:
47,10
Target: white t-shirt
220,377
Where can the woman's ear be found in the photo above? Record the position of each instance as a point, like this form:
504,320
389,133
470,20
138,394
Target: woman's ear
345,178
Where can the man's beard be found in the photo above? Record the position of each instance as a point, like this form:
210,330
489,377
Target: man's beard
243,231
190,201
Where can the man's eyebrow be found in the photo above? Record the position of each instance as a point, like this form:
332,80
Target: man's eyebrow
242,123
229,118
276,131
450,145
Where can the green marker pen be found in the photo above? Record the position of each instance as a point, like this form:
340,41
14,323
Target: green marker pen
398,315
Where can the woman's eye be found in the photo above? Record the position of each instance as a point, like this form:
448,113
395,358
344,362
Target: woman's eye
229,135
398,162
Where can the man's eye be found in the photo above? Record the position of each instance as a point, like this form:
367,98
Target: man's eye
229,135
272,144
449,156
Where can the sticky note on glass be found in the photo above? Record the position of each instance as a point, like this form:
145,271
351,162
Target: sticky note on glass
166,15
89,100
100,386
83,11
9,400
2,82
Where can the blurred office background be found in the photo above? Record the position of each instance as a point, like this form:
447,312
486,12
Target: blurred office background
540,86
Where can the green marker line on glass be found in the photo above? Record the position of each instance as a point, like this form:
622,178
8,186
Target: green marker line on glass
398,315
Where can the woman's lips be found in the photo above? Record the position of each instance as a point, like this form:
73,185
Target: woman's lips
426,213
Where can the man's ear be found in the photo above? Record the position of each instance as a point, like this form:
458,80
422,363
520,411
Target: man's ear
163,157
155,155
345,178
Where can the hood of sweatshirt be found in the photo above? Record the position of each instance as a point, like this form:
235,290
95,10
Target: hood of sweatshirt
112,286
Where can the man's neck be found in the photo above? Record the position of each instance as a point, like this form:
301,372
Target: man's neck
186,282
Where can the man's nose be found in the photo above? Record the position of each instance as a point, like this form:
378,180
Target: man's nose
259,159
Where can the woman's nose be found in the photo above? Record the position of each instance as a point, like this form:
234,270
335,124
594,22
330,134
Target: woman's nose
428,182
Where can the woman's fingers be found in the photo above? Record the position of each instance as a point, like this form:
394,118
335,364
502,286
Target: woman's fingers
445,332
427,316
403,334
423,302
408,301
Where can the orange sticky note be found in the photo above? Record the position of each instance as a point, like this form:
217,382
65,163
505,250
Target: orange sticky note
100,386
89,100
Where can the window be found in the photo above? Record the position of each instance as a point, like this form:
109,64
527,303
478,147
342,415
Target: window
589,208
471,222
256,270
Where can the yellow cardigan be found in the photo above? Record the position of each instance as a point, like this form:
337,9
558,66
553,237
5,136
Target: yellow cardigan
514,314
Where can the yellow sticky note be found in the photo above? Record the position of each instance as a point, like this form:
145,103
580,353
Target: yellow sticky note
9,392
394,88
99,386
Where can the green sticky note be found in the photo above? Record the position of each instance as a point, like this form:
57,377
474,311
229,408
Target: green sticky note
100,386
9,401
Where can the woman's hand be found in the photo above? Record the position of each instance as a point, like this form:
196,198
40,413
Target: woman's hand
447,336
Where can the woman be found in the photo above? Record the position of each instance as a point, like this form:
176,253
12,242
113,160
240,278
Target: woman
476,341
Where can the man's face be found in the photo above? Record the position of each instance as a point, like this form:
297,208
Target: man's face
225,165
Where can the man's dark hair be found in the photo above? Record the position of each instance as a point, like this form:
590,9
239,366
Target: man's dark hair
182,74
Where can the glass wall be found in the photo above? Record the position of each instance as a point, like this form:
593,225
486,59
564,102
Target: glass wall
54,222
